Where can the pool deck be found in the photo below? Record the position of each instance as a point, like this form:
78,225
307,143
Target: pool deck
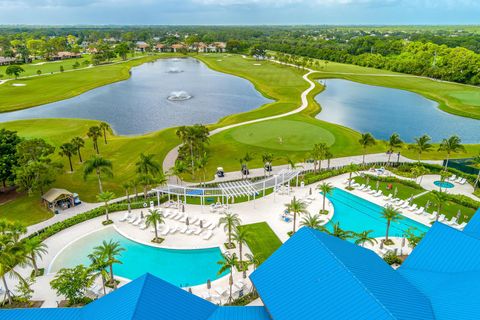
267,209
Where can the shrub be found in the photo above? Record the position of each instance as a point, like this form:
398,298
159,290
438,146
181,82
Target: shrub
392,258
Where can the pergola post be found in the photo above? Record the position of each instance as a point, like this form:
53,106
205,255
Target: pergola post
296,184
264,188
168,191
158,198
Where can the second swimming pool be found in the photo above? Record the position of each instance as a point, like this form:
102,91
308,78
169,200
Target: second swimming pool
357,214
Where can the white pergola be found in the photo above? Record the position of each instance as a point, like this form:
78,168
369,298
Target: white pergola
229,190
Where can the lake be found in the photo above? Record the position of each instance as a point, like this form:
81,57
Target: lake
140,104
383,111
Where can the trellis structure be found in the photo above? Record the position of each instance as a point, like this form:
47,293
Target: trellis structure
229,190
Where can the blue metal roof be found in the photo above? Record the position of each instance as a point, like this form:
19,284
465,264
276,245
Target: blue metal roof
41,314
445,266
473,226
316,275
240,313
149,297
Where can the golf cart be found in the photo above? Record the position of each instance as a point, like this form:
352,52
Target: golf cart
220,173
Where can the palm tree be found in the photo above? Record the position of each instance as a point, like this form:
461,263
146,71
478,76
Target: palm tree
201,164
326,189
146,181
154,218
452,144
244,161
98,265
267,159
68,150
147,165
341,233
317,154
440,199
291,163
476,162
105,197
110,250
253,259
78,143
390,214
421,145
419,171
230,222
126,186
100,166
34,248
364,237
351,168
105,127
394,142
328,156
366,140
228,263
297,207
240,236
178,169
94,133
312,221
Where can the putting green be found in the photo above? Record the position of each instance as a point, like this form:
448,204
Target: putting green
286,135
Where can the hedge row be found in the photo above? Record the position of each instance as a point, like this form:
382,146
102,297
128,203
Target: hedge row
409,183
462,200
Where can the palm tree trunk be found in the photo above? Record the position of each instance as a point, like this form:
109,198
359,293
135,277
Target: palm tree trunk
112,278
229,234
106,211
34,263
446,163
389,156
103,284
323,206
100,187
156,232
79,155
294,221
144,192
7,291
231,284
105,136
240,249
388,228
70,162
363,158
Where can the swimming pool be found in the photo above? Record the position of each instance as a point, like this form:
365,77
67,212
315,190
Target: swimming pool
357,214
180,267
444,184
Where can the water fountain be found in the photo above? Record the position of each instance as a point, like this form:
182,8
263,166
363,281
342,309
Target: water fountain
179,96
174,70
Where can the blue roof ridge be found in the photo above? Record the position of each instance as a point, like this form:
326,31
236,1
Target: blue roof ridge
351,273
140,294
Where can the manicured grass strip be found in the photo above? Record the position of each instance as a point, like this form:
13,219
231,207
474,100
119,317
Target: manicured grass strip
24,209
449,208
404,191
261,240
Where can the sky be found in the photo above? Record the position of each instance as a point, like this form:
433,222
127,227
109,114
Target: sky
242,12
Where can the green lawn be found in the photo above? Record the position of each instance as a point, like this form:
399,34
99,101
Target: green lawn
404,191
449,209
50,88
27,210
261,240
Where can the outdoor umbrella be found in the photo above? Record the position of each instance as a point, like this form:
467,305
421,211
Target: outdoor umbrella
244,274
367,181
427,204
310,191
209,285
129,207
459,213
411,199
187,221
381,244
190,290
378,184
403,242
141,215
201,224
395,192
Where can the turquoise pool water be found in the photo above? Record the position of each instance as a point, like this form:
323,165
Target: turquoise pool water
444,184
357,214
179,267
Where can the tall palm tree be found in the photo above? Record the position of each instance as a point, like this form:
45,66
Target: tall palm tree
105,197
352,169
94,133
230,222
34,248
240,236
328,156
98,265
126,186
326,189
228,263
390,214
146,180
68,150
110,250
245,160
147,165
297,207
100,166
178,169
419,171
105,127
312,221
394,142
317,154
201,164
441,198
366,140
267,159
476,162
452,144
78,143
253,259
364,237
421,145
154,218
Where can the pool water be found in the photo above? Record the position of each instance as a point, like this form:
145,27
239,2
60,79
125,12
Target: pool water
444,184
179,267
357,214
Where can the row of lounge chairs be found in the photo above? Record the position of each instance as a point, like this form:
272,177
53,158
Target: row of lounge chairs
366,189
456,179
217,294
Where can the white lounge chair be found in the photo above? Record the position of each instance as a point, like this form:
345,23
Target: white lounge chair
207,235
198,231
179,217
441,218
458,179
388,198
361,187
379,193
189,231
165,232
463,181
125,217
213,226
367,189
355,185
462,225
420,210
413,207
182,229
138,222
143,226
452,178
405,205
132,218
193,220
